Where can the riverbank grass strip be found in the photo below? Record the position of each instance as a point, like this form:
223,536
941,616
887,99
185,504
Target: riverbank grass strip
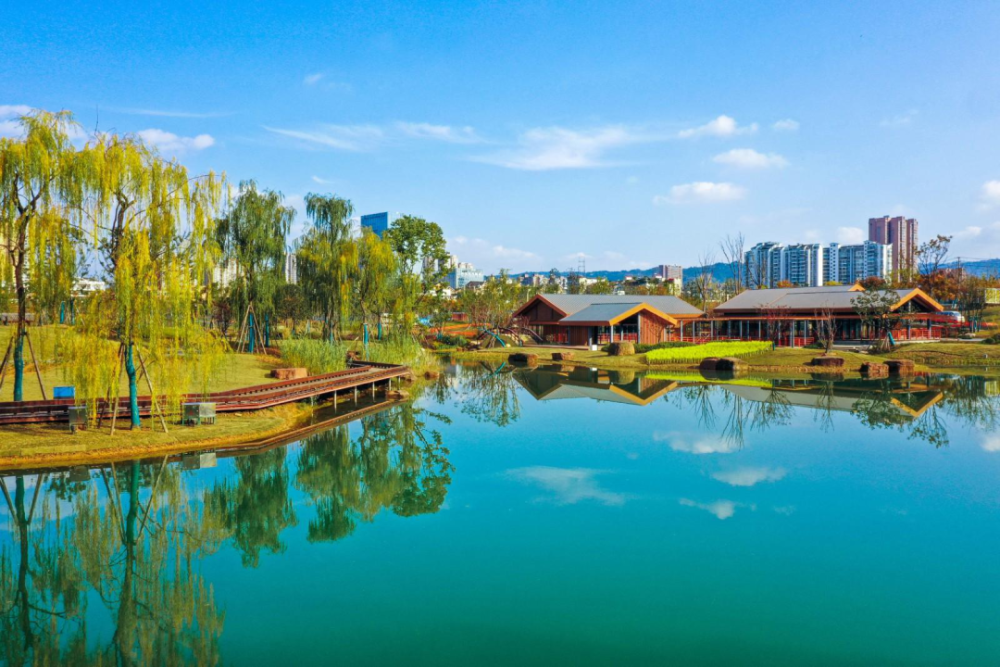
695,353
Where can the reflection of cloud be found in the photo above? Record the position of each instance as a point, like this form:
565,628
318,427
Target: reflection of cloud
702,445
750,476
785,510
720,509
568,485
991,443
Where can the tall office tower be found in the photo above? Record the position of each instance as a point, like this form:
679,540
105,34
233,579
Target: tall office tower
901,234
378,222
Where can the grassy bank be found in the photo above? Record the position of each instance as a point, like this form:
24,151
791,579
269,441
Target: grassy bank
48,444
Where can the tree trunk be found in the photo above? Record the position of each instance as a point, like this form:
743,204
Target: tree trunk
22,570
250,332
133,387
22,309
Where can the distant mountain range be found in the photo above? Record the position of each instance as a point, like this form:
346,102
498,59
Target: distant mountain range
722,272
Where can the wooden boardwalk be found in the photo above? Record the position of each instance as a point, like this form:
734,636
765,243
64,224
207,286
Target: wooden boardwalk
360,376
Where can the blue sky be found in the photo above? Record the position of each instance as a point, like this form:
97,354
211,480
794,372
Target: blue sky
631,133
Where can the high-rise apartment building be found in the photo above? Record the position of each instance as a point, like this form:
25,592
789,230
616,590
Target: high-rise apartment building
758,264
813,265
901,234
803,264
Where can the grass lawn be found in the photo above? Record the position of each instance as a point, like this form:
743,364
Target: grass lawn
944,355
40,444
782,358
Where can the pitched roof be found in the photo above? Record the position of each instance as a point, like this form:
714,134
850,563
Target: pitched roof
573,303
839,297
600,312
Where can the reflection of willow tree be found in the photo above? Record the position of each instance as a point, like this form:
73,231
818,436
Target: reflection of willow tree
135,558
490,394
255,507
966,399
742,415
746,415
396,462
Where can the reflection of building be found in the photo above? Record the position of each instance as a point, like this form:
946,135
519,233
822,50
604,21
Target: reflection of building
907,401
549,383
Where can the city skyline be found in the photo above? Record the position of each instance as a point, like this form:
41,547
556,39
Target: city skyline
648,137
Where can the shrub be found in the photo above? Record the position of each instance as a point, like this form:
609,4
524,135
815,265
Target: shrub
695,353
451,340
316,355
621,349
993,340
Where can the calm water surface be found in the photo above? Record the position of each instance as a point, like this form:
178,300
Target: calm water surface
517,517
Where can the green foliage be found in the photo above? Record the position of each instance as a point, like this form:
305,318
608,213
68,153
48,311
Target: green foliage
327,260
739,349
42,182
642,348
450,340
319,356
153,227
252,237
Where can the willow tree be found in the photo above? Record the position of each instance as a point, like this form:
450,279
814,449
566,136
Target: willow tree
374,284
153,227
327,259
42,181
252,238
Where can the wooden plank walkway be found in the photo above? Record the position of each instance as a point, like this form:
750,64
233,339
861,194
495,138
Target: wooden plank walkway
361,375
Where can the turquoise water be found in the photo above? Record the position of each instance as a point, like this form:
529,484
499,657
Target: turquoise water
514,517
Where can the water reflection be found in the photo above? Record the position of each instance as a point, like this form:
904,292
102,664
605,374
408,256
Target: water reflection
129,537
728,407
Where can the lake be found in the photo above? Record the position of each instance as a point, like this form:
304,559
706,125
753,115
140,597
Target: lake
551,516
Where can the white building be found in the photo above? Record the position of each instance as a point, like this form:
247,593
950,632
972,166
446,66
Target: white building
813,265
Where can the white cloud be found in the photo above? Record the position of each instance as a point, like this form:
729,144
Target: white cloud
850,235
991,444
990,195
504,252
750,476
702,445
542,149
340,137
321,180
900,120
9,115
312,79
748,158
720,509
723,126
970,232
701,191
567,485
447,133
170,142
786,125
